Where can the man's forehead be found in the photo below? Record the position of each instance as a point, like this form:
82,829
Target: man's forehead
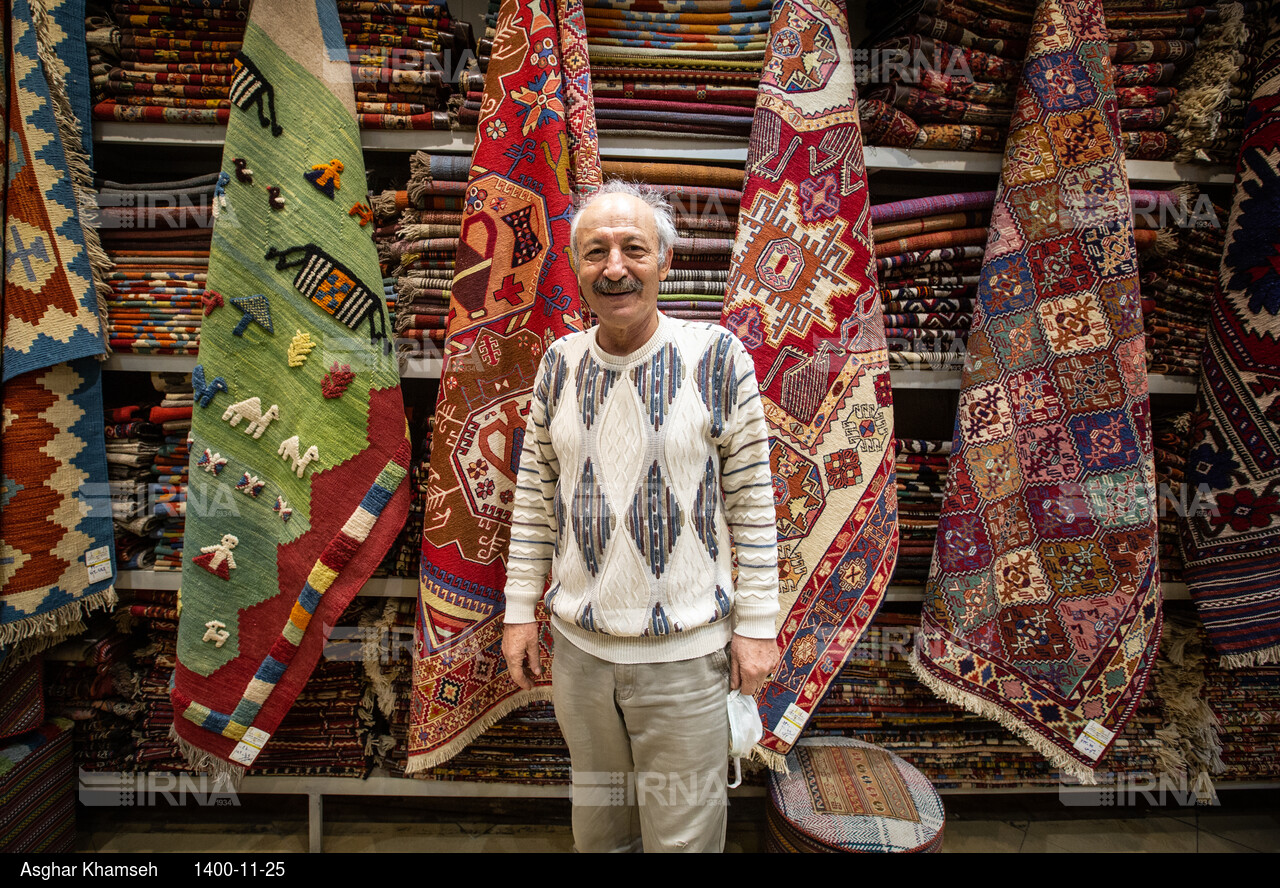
620,212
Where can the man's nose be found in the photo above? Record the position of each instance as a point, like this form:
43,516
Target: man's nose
615,269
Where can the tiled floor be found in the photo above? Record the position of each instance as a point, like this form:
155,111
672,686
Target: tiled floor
1246,821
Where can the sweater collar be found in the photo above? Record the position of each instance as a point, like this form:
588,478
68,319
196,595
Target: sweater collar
654,342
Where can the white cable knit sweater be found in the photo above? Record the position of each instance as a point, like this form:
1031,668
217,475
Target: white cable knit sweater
639,475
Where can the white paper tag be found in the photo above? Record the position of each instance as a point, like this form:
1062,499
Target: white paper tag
99,563
249,746
1093,740
788,729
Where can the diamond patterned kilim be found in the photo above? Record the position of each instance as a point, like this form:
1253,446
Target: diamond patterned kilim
1042,607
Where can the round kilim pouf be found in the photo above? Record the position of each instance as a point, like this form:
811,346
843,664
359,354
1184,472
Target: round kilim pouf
846,795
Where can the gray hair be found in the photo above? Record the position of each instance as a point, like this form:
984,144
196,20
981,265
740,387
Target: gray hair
663,215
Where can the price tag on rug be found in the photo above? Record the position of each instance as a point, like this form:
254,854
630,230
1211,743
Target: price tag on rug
1093,740
249,746
99,563
793,719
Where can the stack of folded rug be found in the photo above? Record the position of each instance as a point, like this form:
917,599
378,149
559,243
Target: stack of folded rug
154,619
1245,703
92,682
928,254
169,467
158,235
1177,289
1169,436
663,67
175,61
921,470
427,216
132,445
403,57
322,734
471,81
166,62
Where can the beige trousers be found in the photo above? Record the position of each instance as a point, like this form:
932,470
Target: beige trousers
649,747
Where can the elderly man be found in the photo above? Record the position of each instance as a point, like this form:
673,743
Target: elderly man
645,463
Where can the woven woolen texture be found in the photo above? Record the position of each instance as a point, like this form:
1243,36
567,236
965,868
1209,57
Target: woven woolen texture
843,795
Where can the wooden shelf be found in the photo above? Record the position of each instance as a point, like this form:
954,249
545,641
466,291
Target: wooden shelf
407,587
696,150
429,367
420,367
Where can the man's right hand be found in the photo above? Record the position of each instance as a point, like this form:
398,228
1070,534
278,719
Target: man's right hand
520,648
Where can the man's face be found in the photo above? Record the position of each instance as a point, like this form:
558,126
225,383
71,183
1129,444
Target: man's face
619,268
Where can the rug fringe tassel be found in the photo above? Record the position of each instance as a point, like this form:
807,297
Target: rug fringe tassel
1186,194
417,765
422,231
1189,743
375,653
1268,656
1166,241
204,762
771,759
988,710
102,33
1197,114
384,204
24,650
419,177
58,624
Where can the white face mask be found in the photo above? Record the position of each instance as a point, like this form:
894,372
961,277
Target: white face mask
745,731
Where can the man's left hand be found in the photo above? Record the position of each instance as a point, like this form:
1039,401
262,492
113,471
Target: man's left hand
751,660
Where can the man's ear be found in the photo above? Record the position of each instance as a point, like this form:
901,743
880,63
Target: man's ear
665,267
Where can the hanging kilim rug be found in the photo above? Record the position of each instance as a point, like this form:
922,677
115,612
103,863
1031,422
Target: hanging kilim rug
56,552
802,297
514,293
299,441
50,310
1042,608
1232,542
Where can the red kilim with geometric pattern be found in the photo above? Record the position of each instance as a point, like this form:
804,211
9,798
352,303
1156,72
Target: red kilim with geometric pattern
514,293
802,297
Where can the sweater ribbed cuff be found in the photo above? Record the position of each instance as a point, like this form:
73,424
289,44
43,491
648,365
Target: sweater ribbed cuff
522,600
755,620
